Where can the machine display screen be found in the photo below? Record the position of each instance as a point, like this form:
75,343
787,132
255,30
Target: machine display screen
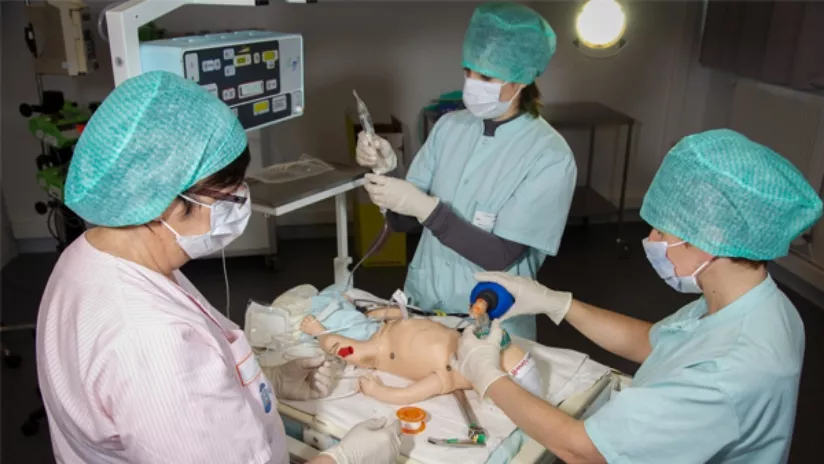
250,89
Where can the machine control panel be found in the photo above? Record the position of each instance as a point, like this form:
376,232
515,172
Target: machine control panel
257,74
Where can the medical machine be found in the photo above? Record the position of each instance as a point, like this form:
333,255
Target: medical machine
59,37
256,73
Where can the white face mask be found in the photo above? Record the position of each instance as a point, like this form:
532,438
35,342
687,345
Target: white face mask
657,256
228,220
483,99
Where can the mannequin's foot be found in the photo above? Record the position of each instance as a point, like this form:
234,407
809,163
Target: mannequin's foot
311,326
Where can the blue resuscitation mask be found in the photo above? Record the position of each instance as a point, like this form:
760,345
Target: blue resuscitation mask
657,256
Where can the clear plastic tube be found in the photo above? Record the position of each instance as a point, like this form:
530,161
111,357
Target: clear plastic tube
377,244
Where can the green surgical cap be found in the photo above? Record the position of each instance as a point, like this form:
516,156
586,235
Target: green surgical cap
730,197
509,42
153,138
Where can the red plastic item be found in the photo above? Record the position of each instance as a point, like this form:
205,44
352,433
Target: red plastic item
345,351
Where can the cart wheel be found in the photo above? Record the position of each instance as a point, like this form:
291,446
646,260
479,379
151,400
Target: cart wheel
13,361
41,208
26,110
30,427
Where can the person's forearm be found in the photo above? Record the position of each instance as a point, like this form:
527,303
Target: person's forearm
561,434
322,459
402,224
619,334
487,250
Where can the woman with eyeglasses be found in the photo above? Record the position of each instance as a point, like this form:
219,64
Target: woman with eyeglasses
134,364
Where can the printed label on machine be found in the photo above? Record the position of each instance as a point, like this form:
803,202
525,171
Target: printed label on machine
229,94
229,71
229,54
271,84
279,103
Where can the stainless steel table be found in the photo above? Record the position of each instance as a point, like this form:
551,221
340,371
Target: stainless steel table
279,199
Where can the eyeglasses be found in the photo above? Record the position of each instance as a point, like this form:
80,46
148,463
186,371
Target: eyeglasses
220,196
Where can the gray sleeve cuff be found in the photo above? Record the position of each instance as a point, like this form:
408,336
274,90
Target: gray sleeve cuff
485,249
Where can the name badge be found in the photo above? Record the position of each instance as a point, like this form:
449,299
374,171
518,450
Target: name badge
248,369
484,220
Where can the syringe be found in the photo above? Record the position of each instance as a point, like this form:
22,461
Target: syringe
369,129
364,117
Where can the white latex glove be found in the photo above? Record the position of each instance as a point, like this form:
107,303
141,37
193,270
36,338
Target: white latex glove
479,359
530,296
376,441
303,379
376,154
400,196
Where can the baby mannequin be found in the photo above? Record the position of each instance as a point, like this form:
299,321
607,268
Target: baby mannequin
418,350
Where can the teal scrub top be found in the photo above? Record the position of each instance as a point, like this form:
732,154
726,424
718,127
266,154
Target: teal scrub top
517,184
718,389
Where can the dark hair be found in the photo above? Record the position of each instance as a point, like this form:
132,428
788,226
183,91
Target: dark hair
530,101
749,263
232,175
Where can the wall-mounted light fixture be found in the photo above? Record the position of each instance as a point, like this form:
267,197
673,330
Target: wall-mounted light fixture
599,28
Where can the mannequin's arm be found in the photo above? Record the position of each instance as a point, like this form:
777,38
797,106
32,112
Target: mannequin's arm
385,313
363,352
421,390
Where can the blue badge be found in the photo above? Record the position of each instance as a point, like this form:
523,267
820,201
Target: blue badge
266,397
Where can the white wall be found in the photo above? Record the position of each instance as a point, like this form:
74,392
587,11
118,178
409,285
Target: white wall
398,55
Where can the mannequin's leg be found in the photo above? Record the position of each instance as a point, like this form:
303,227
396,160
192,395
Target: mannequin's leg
363,352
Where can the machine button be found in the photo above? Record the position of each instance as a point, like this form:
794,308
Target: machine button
229,71
212,88
229,54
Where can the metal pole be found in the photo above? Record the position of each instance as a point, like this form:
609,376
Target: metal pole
622,201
